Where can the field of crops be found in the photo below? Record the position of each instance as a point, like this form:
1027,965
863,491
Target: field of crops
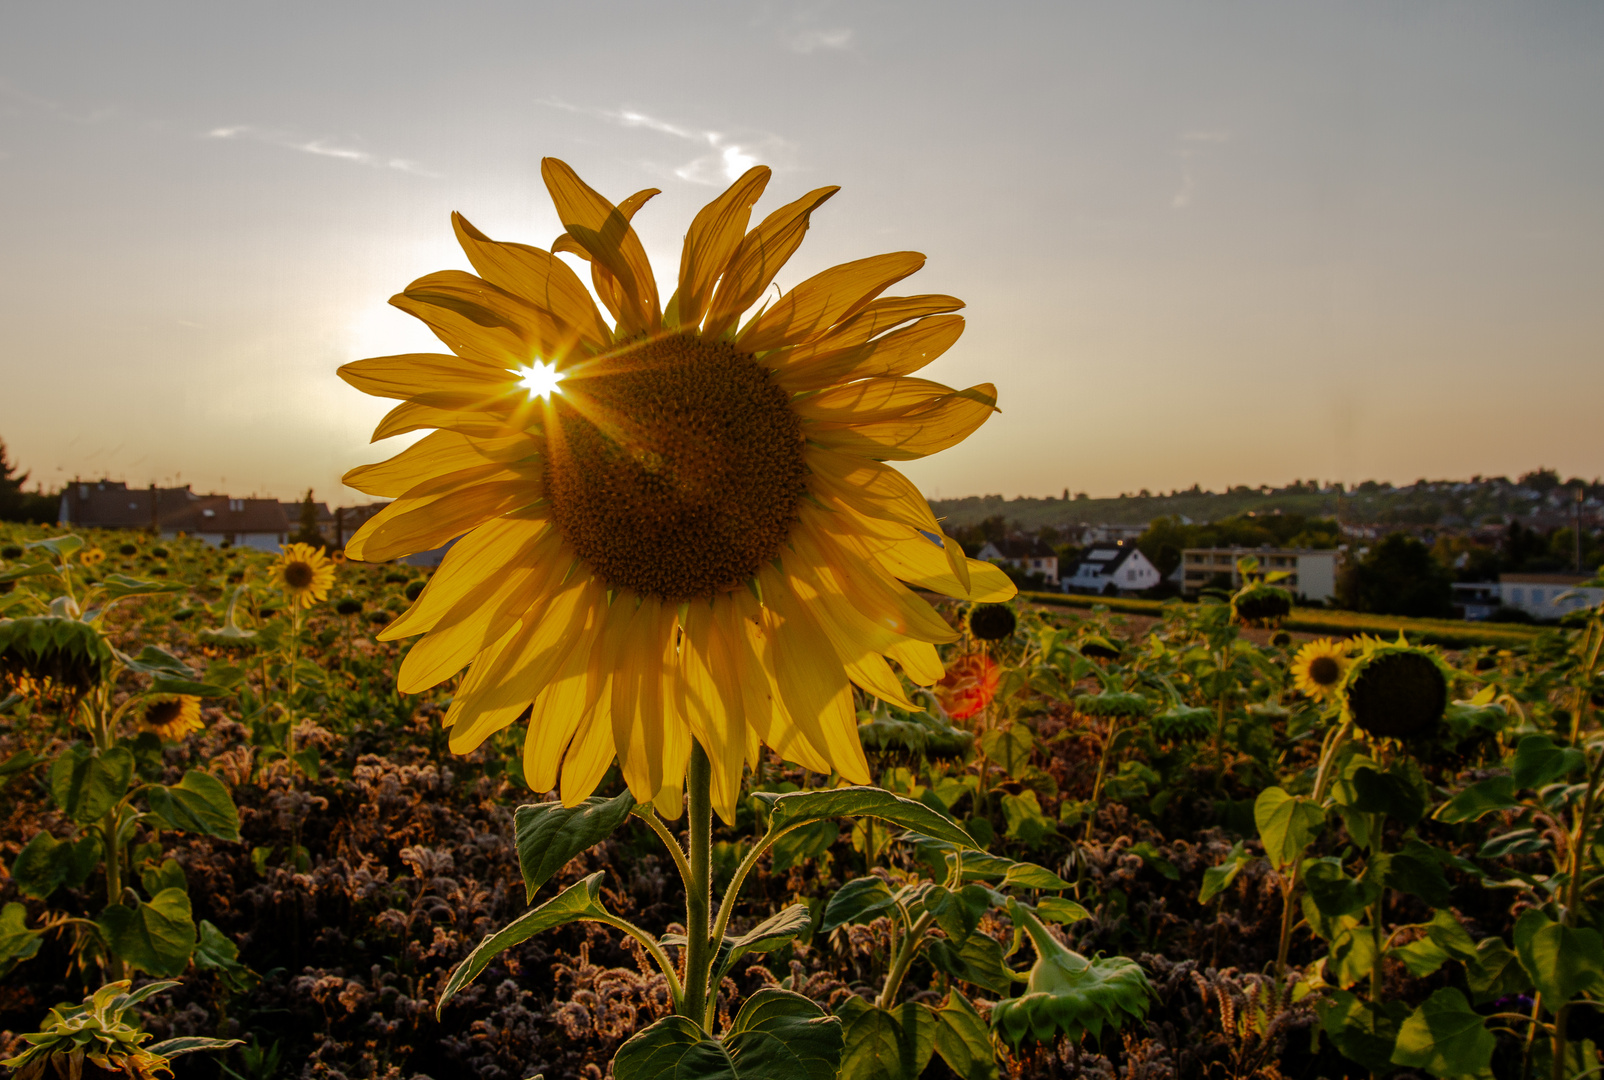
1092,853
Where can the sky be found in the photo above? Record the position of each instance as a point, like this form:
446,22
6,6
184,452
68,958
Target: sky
1218,243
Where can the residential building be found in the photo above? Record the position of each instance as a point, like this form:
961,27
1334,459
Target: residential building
1546,596
216,519
1106,534
1311,573
219,520
1027,556
1110,569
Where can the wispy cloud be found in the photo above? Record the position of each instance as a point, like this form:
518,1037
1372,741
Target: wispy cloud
1192,143
836,40
725,157
13,98
318,148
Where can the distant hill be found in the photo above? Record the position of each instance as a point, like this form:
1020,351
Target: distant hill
1479,500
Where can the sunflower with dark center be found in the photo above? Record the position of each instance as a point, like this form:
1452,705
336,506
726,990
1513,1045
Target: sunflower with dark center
676,527
303,574
1395,691
992,622
1318,668
171,716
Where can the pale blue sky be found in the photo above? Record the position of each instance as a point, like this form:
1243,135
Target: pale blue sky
1213,242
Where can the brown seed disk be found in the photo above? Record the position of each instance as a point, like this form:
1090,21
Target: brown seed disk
298,575
675,467
1325,671
164,712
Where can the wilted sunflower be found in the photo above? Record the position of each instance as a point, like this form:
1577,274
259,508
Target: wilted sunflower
1395,690
678,526
1318,668
303,574
171,716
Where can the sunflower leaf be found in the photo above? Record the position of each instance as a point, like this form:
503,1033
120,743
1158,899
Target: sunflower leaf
859,900
766,936
86,782
199,803
886,1044
581,900
550,834
157,938
1445,1037
802,807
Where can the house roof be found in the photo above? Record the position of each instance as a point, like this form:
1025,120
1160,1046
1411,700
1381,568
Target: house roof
1103,559
220,514
292,511
112,504
1020,548
1543,579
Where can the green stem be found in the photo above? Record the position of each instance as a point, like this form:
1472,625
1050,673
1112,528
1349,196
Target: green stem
699,894
903,959
1102,770
112,852
1328,754
652,948
295,659
676,852
1573,890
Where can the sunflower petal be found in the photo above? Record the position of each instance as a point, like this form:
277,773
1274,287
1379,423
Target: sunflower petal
405,375
901,352
436,453
607,286
714,235
410,525
538,277
825,299
471,571
917,432
604,231
758,258
483,423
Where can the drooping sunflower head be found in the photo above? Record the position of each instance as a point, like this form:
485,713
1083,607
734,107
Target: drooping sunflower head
673,526
992,622
303,574
1318,668
1394,690
43,654
171,716
1258,604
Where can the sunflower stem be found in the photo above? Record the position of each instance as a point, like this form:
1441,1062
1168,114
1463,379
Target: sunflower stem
699,887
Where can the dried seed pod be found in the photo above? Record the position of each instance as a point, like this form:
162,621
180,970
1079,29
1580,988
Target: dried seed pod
992,622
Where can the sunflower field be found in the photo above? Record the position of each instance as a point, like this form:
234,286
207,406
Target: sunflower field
704,753
1085,853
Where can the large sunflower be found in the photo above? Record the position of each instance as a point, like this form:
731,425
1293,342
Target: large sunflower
694,534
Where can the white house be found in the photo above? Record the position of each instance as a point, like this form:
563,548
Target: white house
216,519
1029,556
1311,573
1539,595
1111,568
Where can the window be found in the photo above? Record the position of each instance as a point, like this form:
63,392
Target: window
1517,596
236,505
1537,596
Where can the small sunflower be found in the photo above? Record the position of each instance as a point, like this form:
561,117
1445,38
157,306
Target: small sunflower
304,574
171,716
92,557
1318,668
675,526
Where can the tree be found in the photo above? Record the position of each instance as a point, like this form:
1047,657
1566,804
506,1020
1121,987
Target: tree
1398,577
18,505
307,532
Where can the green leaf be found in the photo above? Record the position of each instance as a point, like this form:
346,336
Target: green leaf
1334,892
17,942
1353,955
1387,793
1365,1032
62,547
777,1035
1287,824
802,807
1514,842
190,1044
41,866
1478,800
118,586
166,684
581,900
1024,818
1024,875
963,1040
858,901
770,934
1495,972
169,875
156,937
1151,857
886,1044
550,834
153,660
958,913
199,803
17,763
807,842
1538,761
215,952
1446,1038
1445,940
1216,879
1060,910
86,783
1417,870
978,959
1562,960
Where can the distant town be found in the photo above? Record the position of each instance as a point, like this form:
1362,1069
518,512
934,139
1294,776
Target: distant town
1487,548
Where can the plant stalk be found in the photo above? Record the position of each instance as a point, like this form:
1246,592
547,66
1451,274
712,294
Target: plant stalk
699,891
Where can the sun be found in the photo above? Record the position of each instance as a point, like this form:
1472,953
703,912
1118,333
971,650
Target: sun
540,379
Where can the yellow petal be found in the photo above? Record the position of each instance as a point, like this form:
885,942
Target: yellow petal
922,430
869,400
565,705
712,711
901,352
825,299
852,582
436,453
604,231
492,310
413,374
410,525
764,708
869,487
714,235
758,258
486,423
469,574
590,755
920,662
638,720
533,274
607,286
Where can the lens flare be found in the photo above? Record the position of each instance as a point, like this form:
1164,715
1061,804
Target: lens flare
540,380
